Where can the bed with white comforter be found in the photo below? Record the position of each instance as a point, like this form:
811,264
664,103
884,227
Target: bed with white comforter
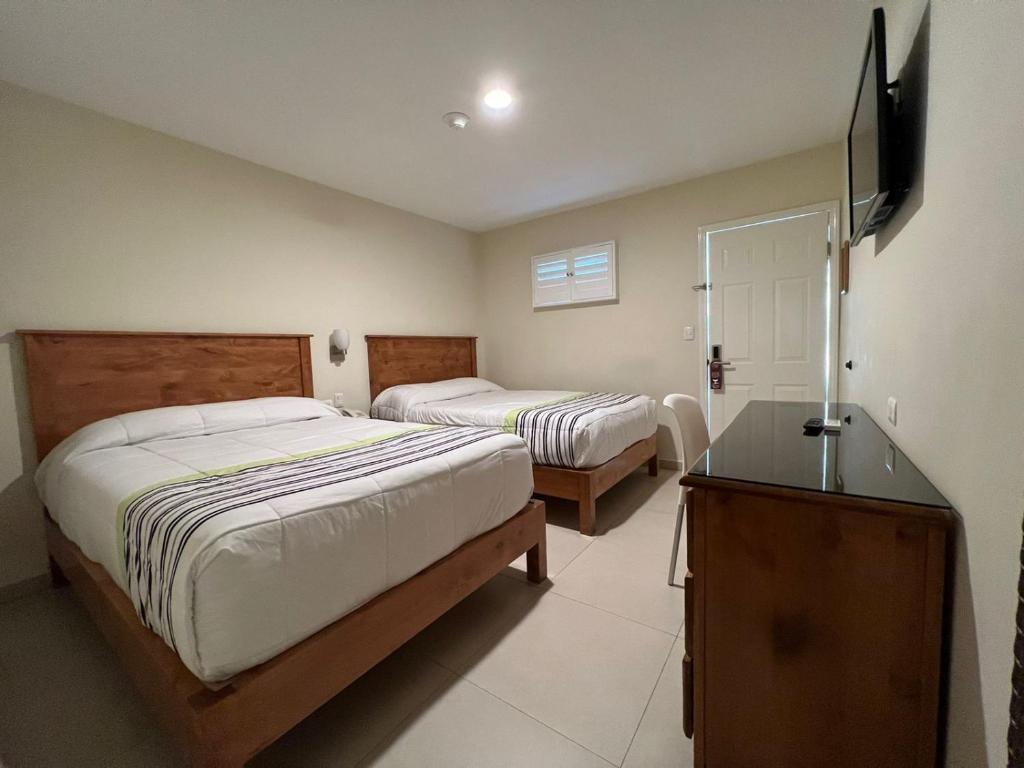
239,529
566,429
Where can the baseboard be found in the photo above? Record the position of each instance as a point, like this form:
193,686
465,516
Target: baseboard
670,464
28,586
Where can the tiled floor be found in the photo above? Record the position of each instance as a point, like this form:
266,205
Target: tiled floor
581,671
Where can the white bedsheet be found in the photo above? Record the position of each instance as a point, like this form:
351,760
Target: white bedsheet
596,438
288,567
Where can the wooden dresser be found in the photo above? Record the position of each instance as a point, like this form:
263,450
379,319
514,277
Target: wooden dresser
815,596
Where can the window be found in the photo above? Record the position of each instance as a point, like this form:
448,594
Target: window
575,276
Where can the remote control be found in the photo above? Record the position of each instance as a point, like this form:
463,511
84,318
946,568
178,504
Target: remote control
814,427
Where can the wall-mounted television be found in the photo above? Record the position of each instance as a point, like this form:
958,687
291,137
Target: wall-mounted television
874,144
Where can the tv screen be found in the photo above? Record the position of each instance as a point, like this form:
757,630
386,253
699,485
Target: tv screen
864,146
873,143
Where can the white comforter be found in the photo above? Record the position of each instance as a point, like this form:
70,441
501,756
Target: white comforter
595,437
264,577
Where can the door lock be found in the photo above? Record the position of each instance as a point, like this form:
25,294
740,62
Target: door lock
716,369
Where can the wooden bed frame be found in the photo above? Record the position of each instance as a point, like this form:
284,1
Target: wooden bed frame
77,377
395,360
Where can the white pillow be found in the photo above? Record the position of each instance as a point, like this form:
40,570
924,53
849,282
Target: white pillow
395,402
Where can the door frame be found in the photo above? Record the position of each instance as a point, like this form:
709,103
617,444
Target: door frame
831,207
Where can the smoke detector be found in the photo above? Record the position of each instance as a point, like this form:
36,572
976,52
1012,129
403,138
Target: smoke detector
456,120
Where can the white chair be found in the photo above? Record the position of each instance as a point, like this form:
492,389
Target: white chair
694,431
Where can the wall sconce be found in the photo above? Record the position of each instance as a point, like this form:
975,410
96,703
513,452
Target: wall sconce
339,342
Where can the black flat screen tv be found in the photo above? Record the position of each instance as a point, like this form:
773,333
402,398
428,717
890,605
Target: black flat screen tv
874,143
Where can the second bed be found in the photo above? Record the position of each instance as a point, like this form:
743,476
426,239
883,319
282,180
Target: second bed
581,443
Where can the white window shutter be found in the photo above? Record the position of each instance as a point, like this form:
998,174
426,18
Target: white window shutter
575,276
551,283
593,273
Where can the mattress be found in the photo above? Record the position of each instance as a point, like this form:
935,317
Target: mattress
568,429
239,529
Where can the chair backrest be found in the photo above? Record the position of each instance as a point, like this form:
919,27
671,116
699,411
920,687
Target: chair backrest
692,427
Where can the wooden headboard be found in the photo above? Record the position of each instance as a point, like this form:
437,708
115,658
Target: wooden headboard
78,377
395,360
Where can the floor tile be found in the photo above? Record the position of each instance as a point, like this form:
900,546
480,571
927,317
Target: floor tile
344,730
465,727
66,700
659,741
644,528
471,626
661,490
156,750
625,570
564,545
580,670
629,582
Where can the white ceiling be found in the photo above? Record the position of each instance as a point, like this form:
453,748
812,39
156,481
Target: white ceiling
613,97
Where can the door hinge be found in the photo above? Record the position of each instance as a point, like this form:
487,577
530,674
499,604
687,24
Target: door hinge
828,250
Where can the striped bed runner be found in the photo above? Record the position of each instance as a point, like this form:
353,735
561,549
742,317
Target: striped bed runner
548,428
159,522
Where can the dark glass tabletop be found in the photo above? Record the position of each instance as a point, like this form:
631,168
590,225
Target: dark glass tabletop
765,444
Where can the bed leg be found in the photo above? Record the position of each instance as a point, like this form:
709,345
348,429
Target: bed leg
537,560
57,577
588,514
652,466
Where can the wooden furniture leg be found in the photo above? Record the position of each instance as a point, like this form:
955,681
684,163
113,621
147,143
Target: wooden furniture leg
537,562
584,486
588,510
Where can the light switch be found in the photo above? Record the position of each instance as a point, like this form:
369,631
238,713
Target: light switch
688,333
891,411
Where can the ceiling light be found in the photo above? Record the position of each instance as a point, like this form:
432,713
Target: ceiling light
456,120
498,99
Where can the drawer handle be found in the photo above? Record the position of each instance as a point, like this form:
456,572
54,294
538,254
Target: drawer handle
687,696
688,614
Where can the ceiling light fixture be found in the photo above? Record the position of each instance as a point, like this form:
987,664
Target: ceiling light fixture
498,99
456,120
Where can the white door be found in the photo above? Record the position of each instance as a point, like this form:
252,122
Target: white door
768,307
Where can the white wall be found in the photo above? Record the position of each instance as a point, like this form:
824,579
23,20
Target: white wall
105,225
934,318
636,344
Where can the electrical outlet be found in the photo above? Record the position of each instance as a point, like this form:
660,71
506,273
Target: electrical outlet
339,399
688,334
890,412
